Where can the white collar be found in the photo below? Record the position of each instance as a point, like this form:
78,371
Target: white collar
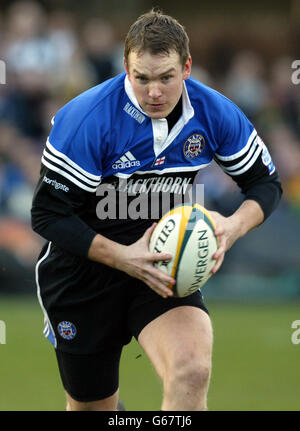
187,109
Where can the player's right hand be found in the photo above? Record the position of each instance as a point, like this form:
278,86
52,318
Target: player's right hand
137,261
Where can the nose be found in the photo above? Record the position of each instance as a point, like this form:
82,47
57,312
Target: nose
154,90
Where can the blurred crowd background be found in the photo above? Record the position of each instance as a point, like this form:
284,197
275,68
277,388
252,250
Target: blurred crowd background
53,50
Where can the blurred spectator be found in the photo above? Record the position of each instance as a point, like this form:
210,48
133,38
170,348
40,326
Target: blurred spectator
19,245
19,163
21,107
31,59
201,74
285,94
73,74
43,59
27,43
62,35
286,153
245,84
99,46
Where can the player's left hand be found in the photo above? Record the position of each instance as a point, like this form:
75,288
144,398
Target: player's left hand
227,232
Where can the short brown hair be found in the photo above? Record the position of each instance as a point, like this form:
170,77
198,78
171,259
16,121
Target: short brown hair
157,33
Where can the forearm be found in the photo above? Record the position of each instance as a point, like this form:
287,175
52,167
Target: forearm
54,213
248,216
68,232
135,260
230,229
105,251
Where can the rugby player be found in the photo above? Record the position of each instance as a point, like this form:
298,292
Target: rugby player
148,130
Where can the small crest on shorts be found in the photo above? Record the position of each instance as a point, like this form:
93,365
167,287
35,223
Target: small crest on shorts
193,146
66,330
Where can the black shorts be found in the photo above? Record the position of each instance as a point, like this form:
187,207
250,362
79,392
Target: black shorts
91,309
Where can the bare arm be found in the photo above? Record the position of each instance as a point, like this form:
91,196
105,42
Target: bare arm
135,259
229,229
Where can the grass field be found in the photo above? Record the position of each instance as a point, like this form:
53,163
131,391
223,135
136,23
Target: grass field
255,365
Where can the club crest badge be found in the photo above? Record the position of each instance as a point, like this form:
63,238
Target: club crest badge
66,330
193,146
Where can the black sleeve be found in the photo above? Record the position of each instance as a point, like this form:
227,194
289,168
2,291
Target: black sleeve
260,182
56,207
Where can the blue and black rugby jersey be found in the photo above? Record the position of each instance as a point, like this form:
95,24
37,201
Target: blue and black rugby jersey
108,168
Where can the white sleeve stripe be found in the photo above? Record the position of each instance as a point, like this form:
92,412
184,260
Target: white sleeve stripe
70,162
68,168
241,152
69,177
247,166
243,161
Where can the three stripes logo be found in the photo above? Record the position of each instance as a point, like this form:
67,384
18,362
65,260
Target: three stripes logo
126,161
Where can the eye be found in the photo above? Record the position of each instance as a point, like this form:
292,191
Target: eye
142,79
166,78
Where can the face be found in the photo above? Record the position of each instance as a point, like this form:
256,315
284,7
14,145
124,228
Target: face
157,81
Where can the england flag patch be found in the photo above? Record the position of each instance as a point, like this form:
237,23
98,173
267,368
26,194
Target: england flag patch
160,161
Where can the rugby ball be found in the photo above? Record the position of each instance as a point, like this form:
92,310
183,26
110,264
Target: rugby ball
187,233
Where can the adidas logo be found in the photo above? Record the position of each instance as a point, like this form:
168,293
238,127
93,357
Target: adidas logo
126,161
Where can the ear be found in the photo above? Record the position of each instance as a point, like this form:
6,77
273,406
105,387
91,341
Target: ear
126,66
187,68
